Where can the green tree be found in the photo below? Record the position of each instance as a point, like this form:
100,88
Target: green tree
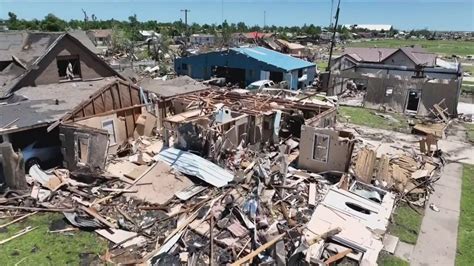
12,21
119,40
53,23
241,27
133,28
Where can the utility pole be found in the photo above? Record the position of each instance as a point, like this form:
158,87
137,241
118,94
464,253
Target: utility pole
332,9
333,40
222,12
186,11
264,19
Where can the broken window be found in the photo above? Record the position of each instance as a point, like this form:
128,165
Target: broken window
388,91
81,144
69,67
110,127
320,148
327,122
413,100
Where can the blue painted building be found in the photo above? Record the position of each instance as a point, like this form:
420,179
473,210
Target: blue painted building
245,65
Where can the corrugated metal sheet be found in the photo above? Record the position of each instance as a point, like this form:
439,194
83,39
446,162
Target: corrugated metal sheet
283,61
191,164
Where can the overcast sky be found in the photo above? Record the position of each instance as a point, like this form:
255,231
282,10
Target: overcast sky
403,14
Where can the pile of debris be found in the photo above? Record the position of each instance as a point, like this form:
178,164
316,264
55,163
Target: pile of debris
408,175
168,206
224,183
436,126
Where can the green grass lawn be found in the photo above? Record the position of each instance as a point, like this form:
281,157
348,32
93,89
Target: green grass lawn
406,224
367,117
465,250
467,87
468,68
39,247
445,47
322,65
386,259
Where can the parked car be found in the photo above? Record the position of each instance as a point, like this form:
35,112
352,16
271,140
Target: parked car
260,84
45,153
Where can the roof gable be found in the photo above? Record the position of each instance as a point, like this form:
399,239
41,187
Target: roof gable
15,83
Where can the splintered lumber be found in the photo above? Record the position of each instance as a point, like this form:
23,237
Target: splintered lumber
22,232
442,113
436,130
36,209
400,176
92,212
364,168
259,250
119,190
312,194
329,233
338,256
18,219
383,170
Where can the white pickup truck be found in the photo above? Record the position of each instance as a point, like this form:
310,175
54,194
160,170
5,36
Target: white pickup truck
257,86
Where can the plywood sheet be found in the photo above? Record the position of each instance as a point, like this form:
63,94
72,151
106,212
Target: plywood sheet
365,164
160,184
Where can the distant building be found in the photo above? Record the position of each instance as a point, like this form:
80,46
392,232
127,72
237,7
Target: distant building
148,35
202,39
294,49
254,35
405,80
248,64
369,27
102,38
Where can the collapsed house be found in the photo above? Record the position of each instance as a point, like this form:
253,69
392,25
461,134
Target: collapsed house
246,119
53,79
82,123
245,65
202,39
405,80
226,177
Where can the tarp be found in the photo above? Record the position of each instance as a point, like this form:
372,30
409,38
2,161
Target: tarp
191,164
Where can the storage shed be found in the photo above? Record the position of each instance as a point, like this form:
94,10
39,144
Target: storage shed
245,65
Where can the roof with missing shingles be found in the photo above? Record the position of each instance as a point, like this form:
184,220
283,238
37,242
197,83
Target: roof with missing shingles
28,46
418,55
46,104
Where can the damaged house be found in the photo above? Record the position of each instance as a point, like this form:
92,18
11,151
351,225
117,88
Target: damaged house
245,65
210,121
59,81
405,80
102,38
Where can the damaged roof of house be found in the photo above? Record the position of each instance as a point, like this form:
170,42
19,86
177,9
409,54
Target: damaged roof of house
173,87
25,50
417,54
28,46
45,104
